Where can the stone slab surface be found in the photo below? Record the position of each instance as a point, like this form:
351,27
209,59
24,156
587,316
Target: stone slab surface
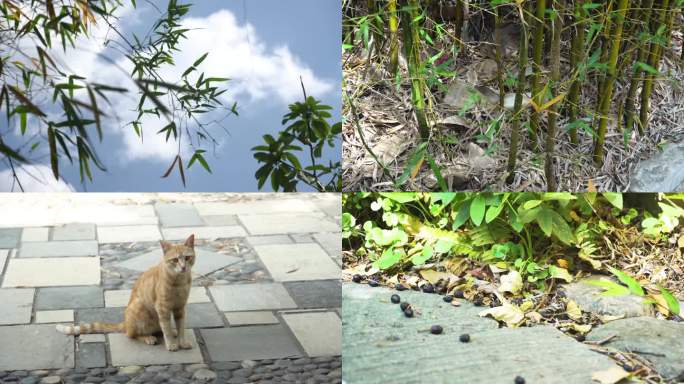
56,316
107,315
378,341
236,319
15,305
202,316
32,347
182,233
205,262
3,257
589,299
247,343
331,242
330,203
9,237
128,234
177,215
35,234
91,355
74,231
316,294
659,341
69,297
59,249
220,220
319,333
46,272
120,297
124,351
92,338
254,207
251,297
657,173
273,224
293,262
269,239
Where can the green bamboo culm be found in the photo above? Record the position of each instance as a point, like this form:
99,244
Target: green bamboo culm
459,17
576,57
599,142
394,38
515,119
409,23
537,55
347,25
646,7
498,56
653,62
557,23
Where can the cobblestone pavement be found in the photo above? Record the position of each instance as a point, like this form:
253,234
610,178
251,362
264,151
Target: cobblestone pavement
266,297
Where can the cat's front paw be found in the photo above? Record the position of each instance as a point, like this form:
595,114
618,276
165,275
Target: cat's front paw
173,346
184,344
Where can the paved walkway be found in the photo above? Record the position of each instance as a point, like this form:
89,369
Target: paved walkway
266,288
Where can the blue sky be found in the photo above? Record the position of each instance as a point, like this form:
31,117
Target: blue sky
264,45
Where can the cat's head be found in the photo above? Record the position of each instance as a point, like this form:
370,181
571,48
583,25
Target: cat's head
179,258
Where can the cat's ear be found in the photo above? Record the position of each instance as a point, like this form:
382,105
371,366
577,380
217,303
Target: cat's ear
165,245
190,242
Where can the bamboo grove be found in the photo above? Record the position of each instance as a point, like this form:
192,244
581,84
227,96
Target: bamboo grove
572,58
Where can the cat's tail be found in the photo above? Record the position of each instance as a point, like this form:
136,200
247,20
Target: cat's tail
94,327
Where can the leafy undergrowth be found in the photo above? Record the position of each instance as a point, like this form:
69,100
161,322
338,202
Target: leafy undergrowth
510,252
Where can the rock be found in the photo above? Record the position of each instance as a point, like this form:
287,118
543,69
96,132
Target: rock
477,158
588,298
461,95
51,380
20,373
29,380
509,101
130,370
226,366
94,379
195,367
242,372
238,380
155,368
658,341
204,375
39,373
119,379
249,364
657,173
336,374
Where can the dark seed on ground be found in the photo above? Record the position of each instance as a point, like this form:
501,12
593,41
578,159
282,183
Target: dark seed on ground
399,287
408,312
395,299
448,298
580,338
464,338
428,288
477,302
519,380
403,306
458,294
436,329
628,368
373,283
356,278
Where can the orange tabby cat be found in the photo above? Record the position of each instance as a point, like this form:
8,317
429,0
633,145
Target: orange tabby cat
159,293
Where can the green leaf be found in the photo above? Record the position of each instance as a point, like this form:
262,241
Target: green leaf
462,215
561,228
200,60
388,259
614,198
477,209
423,256
611,288
560,273
493,212
629,281
529,204
444,246
545,221
672,302
647,68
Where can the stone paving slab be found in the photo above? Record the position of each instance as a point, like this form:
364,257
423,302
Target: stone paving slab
251,297
15,305
74,231
58,249
46,272
69,297
236,319
379,342
92,338
255,207
120,297
56,316
124,351
91,355
293,262
182,233
331,242
316,294
220,220
331,204
107,315
319,333
203,316
9,237
128,233
3,257
206,261
177,215
35,347
35,234
274,224
248,343
269,239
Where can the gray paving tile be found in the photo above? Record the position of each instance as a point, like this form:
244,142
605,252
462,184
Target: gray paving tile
15,305
223,232
69,297
255,207
319,333
30,347
331,204
316,294
236,319
275,224
178,215
58,249
52,272
55,316
269,239
124,351
91,355
206,261
9,237
331,242
4,253
35,234
220,220
76,231
128,233
250,343
107,315
202,316
293,262
251,297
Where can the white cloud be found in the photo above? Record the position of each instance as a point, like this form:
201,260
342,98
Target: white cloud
34,178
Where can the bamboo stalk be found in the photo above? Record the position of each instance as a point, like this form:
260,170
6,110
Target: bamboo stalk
557,24
394,38
609,82
654,59
537,51
412,52
458,22
576,57
498,56
647,5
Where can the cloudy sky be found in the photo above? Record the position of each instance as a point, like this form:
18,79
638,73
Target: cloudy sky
264,46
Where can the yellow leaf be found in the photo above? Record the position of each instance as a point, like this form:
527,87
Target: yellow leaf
581,328
526,306
536,317
433,276
610,376
552,101
680,241
660,303
512,282
415,170
573,310
508,313
590,186
562,263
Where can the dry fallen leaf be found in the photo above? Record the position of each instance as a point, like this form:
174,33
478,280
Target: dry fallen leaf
581,328
508,313
573,310
512,282
609,318
534,316
611,375
433,276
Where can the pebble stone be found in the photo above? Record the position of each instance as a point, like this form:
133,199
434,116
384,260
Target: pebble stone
130,370
51,380
204,375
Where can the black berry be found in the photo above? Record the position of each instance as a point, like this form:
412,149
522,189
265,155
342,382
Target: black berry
356,278
408,312
477,302
519,380
403,306
399,287
448,298
464,338
395,299
428,288
436,329
458,294
373,283
580,338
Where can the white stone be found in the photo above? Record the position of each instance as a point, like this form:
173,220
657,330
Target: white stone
51,380
251,297
273,224
52,272
35,234
236,319
74,231
254,207
128,234
3,257
204,375
320,334
124,352
294,262
58,249
15,305
182,233
119,298
92,338
57,316
130,370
